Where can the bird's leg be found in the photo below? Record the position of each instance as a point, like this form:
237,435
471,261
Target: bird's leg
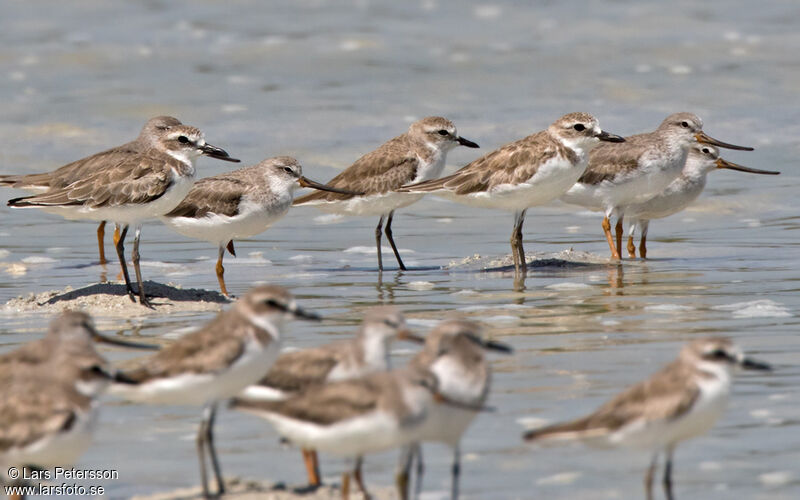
607,230
420,470
403,469
456,472
135,257
619,230
668,473
378,243
346,485
101,236
221,271
212,452
201,452
648,477
517,251
388,231
643,240
359,479
631,247
312,467
119,244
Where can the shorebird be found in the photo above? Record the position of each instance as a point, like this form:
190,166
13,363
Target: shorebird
239,204
702,159
48,399
367,352
463,376
353,417
229,353
682,401
133,188
415,156
528,172
79,170
69,333
622,174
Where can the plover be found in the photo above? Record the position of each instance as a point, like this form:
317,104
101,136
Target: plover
367,352
80,169
622,174
71,332
680,402
231,352
531,171
48,404
415,156
138,186
352,418
702,159
454,352
239,204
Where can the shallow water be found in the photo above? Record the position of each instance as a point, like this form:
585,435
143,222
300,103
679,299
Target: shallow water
327,82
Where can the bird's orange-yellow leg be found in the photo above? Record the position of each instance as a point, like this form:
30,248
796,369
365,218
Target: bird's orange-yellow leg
345,485
360,479
312,467
101,236
619,231
221,273
631,248
610,238
116,242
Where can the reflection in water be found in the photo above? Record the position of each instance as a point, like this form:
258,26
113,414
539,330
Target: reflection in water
615,279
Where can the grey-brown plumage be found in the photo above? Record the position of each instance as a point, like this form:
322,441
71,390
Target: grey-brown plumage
681,401
512,163
415,156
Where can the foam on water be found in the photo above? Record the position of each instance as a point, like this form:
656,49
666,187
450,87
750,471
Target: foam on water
763,308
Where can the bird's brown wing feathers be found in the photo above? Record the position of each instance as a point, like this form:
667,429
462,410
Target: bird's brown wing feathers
295,371
385,169
608,160
513,163
665,396
219,195
137,180
323,404
75,171
203,351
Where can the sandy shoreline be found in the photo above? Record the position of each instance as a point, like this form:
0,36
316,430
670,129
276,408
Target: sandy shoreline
110,299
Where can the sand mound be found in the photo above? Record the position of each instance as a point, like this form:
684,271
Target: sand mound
111,299
241,489
566,259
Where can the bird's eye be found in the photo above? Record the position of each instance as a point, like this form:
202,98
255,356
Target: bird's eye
718,354
706,151
443,132
183,139
579,127
288,170
685,124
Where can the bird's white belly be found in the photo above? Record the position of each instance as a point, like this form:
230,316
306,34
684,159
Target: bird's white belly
58,449
374,204
221,229
671,201
552,180
200,389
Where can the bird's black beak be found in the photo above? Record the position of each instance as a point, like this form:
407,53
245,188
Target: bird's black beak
741,168
308,183
704,138
467,143
752,364
123,343
301,313
218,153
605,136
